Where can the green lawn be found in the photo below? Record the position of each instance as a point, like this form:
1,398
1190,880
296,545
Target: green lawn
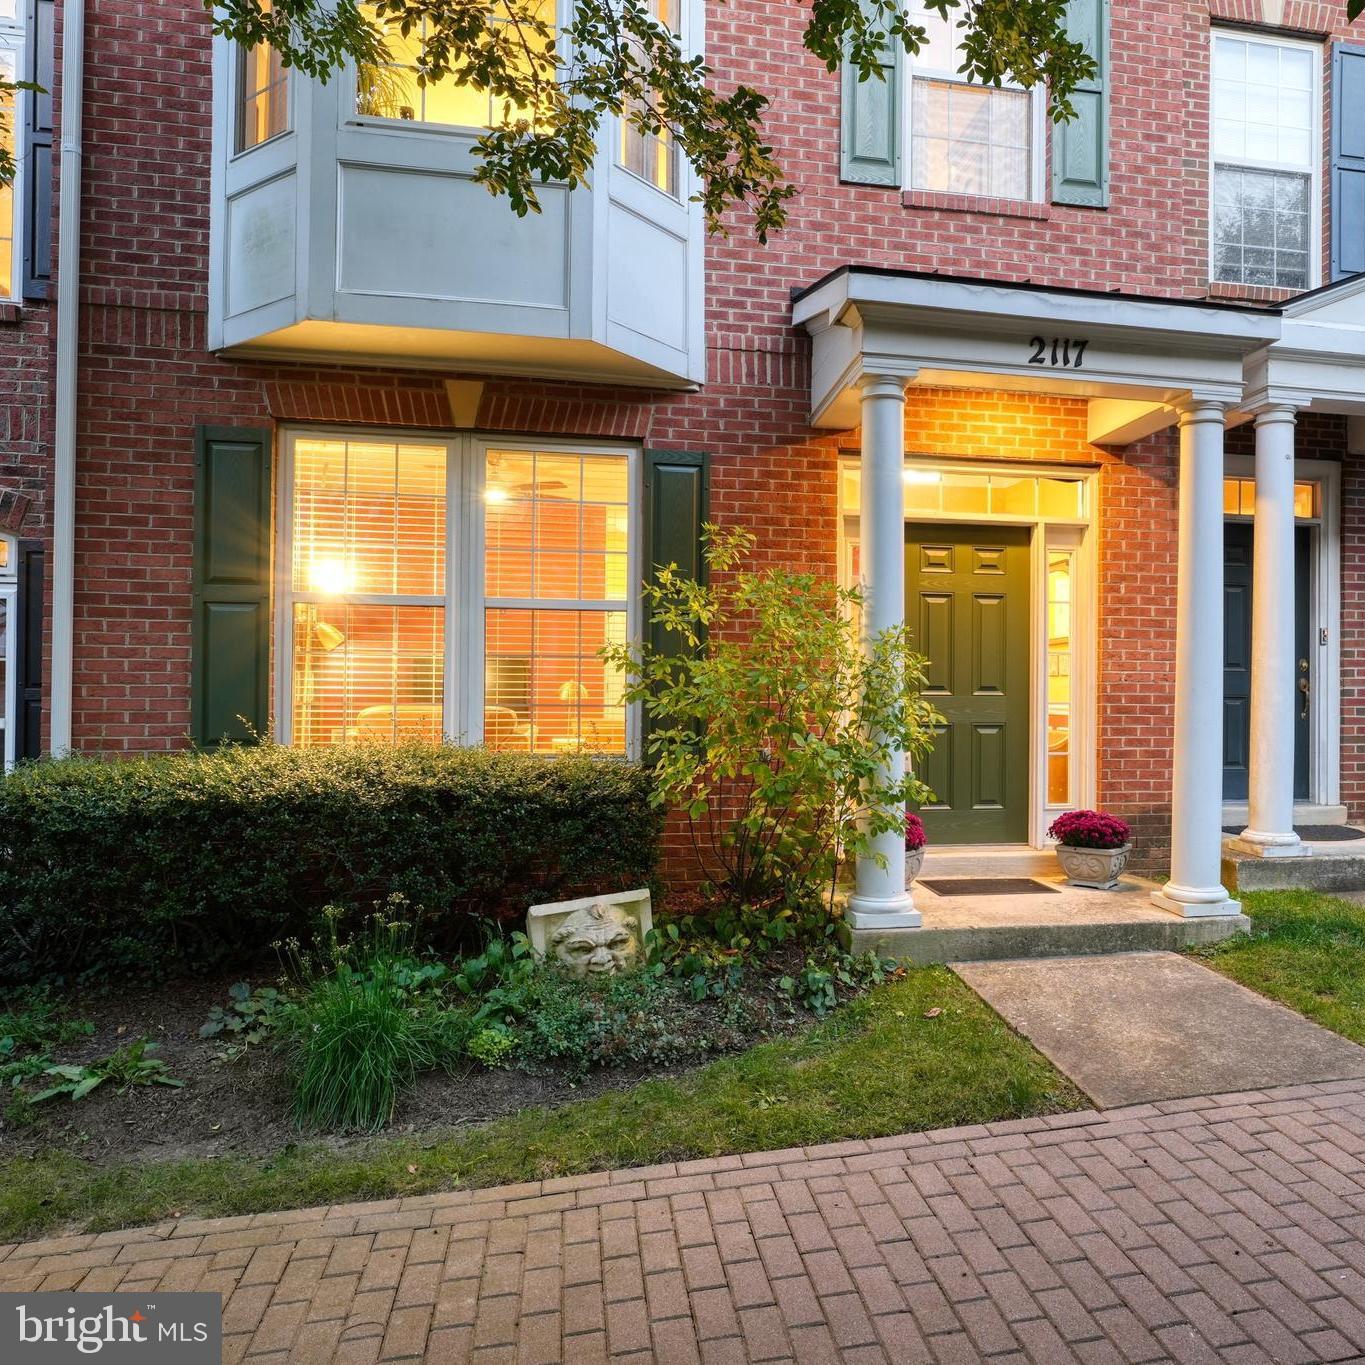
1306,950
877,1066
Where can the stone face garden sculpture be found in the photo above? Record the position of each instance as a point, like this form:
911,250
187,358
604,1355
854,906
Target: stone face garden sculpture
594,937
598,941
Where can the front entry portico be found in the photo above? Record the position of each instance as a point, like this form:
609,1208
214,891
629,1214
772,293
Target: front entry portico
1138,366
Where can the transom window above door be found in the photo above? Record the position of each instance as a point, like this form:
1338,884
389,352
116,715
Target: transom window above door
1266,153
967,138
455,589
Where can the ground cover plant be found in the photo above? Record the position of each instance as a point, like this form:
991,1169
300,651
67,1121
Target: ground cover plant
918,1052
1306,950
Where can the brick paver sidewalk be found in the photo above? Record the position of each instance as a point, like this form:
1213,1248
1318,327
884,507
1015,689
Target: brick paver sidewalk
1219,1229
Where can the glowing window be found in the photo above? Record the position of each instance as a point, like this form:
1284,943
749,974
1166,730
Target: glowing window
262,94
652,156
1060,669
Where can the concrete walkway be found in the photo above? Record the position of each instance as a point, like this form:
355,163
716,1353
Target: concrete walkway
1229,1229
1137,1027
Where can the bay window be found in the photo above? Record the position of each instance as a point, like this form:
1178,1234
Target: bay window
396,90
967,138
651,156
454,589
262,95
12,67
1265,161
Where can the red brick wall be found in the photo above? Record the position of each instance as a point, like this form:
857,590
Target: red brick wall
146,379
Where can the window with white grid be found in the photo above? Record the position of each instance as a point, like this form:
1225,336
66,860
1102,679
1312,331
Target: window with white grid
12,39
1265,161
966,138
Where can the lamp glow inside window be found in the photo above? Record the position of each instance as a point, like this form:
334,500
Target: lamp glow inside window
397,90
375,620
965,138
1265,150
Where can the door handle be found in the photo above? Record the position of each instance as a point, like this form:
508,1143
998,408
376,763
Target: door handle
1304,691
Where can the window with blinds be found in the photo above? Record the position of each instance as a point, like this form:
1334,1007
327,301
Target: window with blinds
374,616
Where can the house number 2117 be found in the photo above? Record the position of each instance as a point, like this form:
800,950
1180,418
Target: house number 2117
1058,352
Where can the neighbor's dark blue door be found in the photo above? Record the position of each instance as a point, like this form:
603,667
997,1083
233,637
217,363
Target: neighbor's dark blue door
1237,542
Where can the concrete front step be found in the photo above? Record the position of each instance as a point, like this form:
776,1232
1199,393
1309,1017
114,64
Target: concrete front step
1083,938
1320,871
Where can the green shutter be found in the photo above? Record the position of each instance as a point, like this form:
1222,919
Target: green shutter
870,122
230,671
675,508
1080,148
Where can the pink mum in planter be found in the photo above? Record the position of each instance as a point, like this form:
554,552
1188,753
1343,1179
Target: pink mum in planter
914,831
1089,829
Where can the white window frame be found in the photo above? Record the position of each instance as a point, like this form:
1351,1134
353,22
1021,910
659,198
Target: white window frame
464,600
235,141
9,698
1037,125
620,123
14,40
1315,226
350,105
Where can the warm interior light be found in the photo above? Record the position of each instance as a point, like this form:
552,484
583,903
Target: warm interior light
494,494
330,576
922,476
572,691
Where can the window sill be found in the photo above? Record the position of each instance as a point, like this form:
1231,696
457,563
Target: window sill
1250,293
975,203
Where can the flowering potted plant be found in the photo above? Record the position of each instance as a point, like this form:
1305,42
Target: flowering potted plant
914,847
1092,847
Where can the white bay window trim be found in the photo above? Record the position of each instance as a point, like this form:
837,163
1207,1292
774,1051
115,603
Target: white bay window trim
1311,168
464,601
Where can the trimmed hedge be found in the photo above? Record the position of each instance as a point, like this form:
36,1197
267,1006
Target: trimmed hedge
190,861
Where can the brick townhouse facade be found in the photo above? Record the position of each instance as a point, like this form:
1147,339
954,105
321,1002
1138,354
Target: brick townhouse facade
339,449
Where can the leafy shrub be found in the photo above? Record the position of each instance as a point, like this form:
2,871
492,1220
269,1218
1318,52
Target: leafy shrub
776,731
249,1018
193,860
1089,829
127,1066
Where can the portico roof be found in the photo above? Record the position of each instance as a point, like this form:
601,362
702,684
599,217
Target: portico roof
951,332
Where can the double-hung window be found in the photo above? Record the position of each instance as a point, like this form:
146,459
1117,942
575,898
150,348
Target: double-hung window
262,95
12,67
1265,161
967,138
456,589
396,90
651,156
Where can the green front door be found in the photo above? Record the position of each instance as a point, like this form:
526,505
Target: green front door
967,602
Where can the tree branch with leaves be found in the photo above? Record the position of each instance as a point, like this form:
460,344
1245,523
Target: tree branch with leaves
553,85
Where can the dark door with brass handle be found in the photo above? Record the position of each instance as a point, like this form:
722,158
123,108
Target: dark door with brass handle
967,606
1237,561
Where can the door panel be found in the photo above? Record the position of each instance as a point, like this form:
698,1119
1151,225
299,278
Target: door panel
1237,577
968,600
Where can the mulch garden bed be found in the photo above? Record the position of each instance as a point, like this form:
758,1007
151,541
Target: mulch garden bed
242,1107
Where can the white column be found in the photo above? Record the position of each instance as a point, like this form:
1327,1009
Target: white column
1197,760
880,900
1270,824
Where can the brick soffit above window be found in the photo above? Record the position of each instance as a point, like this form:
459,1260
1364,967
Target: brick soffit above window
1288,16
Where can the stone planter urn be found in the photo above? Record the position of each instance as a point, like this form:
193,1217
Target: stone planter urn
1099,868
914,861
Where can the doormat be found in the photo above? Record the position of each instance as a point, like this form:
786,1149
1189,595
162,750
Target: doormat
1315,834
987,886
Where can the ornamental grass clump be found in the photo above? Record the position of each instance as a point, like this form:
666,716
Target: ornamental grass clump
1089,829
